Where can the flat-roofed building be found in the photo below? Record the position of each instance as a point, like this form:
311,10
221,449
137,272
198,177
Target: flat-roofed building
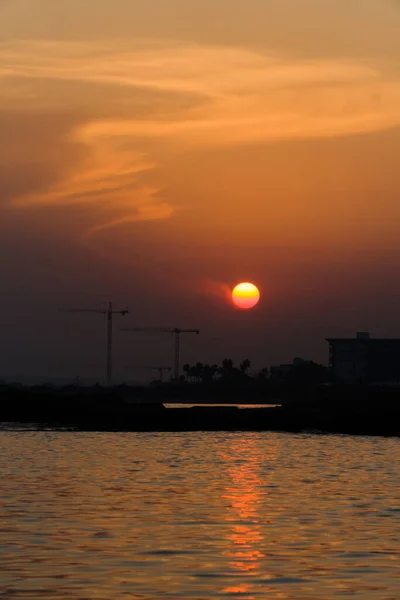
364,359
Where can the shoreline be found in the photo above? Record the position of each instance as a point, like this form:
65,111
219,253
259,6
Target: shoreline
361,411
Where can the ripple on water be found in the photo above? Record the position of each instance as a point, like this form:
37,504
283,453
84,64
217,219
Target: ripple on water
198,515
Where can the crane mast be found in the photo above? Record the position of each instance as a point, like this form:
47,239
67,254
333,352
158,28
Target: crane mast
177,336
176,332
109,312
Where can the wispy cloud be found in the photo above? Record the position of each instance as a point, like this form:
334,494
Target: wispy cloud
103,173
268,96
132,98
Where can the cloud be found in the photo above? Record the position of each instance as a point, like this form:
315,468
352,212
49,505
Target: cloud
212,90
105,179
35,152
102,116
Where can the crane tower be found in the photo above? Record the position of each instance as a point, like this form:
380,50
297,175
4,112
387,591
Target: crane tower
176,332
109,312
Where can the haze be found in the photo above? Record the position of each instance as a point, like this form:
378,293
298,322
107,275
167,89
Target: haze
155,154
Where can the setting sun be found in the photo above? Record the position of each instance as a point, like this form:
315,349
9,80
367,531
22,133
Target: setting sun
245,295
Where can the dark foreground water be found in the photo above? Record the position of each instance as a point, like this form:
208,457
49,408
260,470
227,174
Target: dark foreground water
198,516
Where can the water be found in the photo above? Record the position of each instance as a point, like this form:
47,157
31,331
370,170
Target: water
198,516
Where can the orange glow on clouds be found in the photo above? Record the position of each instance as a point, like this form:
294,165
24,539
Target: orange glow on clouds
245,295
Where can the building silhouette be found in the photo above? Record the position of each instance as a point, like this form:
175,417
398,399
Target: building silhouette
364,359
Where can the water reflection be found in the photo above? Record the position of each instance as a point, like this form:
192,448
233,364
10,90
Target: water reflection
244,460
200,515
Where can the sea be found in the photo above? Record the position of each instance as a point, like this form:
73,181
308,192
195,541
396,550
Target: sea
143,516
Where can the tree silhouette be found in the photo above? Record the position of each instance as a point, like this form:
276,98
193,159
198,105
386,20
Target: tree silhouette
298,375
227,365
263,374
198,371
245,365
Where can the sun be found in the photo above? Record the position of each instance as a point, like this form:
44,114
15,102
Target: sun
245,295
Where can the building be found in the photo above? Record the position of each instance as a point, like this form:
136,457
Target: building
284,369
364,359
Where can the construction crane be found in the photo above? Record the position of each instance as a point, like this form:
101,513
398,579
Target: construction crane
109,312
159,369
176,332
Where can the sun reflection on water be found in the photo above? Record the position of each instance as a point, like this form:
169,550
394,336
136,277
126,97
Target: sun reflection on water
245,493
205,515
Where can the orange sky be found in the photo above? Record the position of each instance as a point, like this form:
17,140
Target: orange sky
154,153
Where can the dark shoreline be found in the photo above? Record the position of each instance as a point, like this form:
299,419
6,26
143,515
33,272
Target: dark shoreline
356,411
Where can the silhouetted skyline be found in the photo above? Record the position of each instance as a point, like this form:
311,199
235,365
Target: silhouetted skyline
159,161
